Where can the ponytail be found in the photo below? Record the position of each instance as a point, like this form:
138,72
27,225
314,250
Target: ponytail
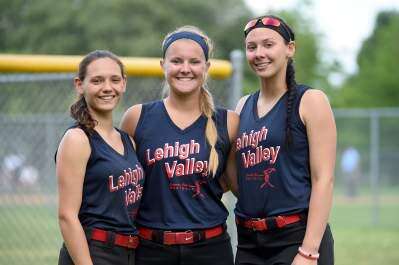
207,107
291,94
80,113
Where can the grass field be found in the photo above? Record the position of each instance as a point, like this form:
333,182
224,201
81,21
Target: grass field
357,240
29,233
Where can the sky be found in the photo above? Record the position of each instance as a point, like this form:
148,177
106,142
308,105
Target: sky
344,23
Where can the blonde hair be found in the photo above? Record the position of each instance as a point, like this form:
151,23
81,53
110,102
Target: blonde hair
207,105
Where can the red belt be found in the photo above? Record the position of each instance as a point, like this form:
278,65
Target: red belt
118,239
179,238
262,224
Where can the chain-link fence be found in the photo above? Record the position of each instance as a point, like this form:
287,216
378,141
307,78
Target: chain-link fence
33,117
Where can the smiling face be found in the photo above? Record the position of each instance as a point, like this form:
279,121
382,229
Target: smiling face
267,53
185,67
102,86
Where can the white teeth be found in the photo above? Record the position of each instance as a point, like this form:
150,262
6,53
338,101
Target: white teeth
107,97
262,64
184,78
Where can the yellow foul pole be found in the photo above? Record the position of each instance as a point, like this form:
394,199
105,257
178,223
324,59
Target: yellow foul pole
135,66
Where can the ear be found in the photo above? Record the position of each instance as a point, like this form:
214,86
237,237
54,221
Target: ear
124,84
162,64
291,49
208,64
78,85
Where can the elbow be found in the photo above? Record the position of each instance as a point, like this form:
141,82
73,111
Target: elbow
66,219
325,182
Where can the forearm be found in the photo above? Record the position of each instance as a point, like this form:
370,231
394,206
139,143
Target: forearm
75,241
319,211
231,177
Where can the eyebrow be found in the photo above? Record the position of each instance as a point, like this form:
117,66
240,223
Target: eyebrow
263,40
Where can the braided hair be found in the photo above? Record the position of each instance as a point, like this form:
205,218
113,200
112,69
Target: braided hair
291,94
291,86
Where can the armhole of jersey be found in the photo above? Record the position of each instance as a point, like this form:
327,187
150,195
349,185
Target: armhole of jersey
298,103
88,137
249,97
126,139
130,142
140,122
89,161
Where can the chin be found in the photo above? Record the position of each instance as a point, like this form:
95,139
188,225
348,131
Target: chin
186,91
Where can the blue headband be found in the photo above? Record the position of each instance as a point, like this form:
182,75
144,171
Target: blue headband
186,35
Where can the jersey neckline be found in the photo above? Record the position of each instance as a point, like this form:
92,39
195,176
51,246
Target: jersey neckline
125,152
255,106
177,128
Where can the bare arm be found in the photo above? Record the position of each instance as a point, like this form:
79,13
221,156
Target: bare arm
230,174
72,156
317,115
130,119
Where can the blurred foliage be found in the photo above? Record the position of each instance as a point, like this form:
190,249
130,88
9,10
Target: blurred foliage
376,83
137,28
128,28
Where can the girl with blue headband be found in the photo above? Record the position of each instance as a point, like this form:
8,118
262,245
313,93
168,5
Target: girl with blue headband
183,142
285,156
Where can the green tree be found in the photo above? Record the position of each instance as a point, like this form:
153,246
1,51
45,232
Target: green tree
136,28
376,84
129,28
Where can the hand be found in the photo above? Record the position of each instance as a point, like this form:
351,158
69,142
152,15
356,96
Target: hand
299,260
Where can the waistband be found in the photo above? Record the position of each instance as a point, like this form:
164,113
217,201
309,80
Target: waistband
182,237
269,223
112,238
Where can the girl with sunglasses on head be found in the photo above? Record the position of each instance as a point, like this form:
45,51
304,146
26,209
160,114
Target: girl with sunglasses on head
183,142
100,180
285,156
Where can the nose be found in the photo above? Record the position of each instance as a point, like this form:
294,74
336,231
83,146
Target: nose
107,85
185,68
259,52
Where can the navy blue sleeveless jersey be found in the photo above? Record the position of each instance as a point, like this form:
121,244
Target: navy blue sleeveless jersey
179,193
112,188
272,178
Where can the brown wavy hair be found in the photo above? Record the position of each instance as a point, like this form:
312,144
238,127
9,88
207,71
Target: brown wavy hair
79,110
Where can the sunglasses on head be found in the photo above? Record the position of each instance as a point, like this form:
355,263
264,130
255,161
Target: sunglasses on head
268,21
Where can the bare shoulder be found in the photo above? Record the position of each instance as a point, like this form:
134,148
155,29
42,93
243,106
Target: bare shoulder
241,103
74,145
75,137
130,119
233,121
315,96
314,103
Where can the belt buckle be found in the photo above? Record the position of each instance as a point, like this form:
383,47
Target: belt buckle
173,238
280,221
258,224
131,241
185,237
